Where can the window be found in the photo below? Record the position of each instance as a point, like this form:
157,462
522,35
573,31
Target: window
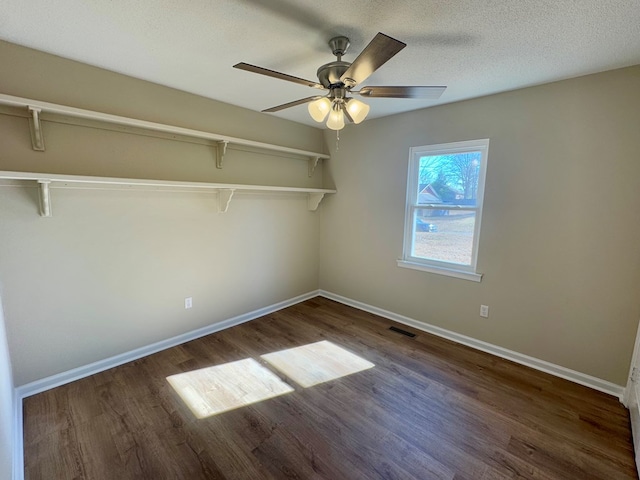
445,189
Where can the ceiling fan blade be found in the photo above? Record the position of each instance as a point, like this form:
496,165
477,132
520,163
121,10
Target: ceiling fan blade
379,51
272,73
292,104
403,92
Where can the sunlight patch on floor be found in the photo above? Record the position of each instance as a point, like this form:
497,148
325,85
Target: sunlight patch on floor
316,363
221,388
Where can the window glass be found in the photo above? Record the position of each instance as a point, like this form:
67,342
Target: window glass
444,205
449,179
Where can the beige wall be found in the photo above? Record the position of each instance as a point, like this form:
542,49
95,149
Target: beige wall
110,270
561,226
33,74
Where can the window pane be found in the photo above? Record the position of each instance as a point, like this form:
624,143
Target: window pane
449,179
445,237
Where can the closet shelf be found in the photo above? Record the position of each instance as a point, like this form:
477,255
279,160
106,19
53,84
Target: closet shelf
225,191
36,108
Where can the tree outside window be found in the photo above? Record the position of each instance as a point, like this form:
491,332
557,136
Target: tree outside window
444,205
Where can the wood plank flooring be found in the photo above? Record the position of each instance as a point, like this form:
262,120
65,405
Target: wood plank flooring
429,409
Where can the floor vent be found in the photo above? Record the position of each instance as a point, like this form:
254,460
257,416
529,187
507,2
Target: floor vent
403,332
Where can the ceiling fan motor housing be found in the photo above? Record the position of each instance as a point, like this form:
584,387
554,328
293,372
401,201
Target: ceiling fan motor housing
329,74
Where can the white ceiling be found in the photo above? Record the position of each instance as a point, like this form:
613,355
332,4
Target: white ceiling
475,47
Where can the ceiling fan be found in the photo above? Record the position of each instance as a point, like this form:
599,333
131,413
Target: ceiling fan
339,78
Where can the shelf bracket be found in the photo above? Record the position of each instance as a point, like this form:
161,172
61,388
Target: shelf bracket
224,198
313,163
220,153
314,200
45,198
37,138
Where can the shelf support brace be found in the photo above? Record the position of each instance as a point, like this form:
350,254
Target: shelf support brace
314,200
45,198
313,163
224,198
37,139
220,153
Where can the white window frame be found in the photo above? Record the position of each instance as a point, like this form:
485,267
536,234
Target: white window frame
467,272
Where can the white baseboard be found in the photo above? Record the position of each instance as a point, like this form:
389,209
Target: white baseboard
96,367
535,363
102,365
81,372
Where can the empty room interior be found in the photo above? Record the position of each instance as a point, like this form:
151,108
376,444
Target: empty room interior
301,240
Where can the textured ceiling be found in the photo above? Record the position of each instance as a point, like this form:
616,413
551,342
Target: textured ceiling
475,47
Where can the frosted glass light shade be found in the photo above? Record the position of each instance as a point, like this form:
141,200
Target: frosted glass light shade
318,109
336,119
357,110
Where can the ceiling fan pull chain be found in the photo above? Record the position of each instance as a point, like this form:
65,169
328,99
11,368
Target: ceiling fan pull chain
337,140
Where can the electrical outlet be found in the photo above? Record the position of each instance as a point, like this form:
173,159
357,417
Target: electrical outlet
484,311
188,302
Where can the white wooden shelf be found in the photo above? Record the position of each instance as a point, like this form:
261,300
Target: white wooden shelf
225,191
36,108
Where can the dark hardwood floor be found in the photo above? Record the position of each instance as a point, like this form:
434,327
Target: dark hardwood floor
429,409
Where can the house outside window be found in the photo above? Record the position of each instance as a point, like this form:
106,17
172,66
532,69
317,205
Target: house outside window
445,190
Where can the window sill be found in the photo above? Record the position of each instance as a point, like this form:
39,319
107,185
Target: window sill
450,272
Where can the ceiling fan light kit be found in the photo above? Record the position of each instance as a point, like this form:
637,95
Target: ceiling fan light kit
319,109
336,118
339,78
338,108
357,110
